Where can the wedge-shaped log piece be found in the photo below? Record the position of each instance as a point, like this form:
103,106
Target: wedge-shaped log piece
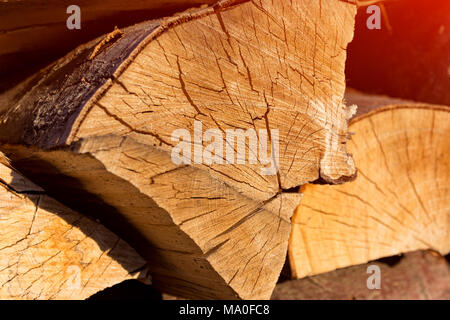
398,203
48,251
102,121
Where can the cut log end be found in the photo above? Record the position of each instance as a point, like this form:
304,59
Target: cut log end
48,251
398,203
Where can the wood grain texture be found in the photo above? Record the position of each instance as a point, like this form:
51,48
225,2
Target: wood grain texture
398,203
48,251
102,128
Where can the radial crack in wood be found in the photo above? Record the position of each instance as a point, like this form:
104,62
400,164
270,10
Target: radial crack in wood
398,203
103,127
48,251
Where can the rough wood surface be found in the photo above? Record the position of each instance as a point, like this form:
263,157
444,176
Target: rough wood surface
33,33
48,251
398,203
417,276
102,128
196,67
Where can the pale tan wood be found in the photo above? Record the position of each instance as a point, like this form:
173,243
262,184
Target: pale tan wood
407,59
399,201
48,251
104,130
23,14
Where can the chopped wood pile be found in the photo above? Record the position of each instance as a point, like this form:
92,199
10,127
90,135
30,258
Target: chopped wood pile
194,145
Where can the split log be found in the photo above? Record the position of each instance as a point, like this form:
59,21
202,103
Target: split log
398,203
409,57
417,276
99,123
34,33
48,251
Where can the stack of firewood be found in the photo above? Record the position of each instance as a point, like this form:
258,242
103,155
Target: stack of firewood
196,144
